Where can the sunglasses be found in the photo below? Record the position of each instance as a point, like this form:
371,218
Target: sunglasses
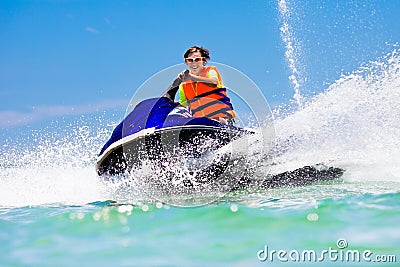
196,59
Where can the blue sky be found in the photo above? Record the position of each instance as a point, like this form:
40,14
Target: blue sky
78,57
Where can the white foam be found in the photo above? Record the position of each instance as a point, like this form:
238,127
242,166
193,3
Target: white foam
52,166
354,124
38,186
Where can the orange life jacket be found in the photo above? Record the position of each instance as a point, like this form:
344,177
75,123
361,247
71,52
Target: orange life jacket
208,101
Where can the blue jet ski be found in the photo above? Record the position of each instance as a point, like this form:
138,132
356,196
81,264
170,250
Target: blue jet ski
158,130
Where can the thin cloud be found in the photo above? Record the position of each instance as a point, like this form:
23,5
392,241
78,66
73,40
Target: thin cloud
91,30
12,118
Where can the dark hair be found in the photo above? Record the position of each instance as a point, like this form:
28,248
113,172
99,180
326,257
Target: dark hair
204,52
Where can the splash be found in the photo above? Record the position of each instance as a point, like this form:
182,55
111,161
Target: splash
52,165
354,124
292,49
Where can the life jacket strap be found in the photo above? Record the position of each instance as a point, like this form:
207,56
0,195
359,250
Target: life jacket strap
221,111
211,103
218,91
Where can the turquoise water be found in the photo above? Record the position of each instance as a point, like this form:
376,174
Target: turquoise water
227,233
55,211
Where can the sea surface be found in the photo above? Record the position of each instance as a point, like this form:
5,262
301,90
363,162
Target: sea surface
55,211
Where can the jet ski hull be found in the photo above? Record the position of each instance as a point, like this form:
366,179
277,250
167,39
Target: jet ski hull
160,145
